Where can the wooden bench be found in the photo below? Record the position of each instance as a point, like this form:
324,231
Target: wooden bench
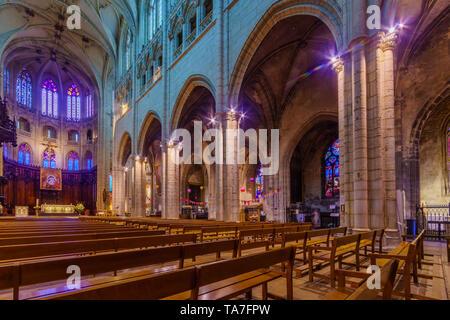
216,233
406,253
363,292
448,249
77,237
252,239
153,287
39,250
29,273
341,247
215,281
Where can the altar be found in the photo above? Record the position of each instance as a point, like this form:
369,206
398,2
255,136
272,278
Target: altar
55,209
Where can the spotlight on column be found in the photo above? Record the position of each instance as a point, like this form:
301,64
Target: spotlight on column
334,59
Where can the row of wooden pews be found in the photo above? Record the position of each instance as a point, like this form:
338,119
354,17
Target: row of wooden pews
36,252
123,258
220,280
404,260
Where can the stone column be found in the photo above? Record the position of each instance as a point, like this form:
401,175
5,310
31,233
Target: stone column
360,168
164,172
387,45
139,192
231,168
173,182
118,190
338,66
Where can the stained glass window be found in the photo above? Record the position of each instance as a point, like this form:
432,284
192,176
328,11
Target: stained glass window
5,151
23,89
73,103
110,184
89,161
6,81
89,105
332,185
49,159
259,182
49,94
73,162
24,155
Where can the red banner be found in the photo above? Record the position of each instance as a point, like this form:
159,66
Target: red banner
51,179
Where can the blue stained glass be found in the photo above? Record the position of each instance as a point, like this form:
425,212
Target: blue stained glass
49,98
332,184
5,151
73,103
73,162
23,156
23,89
110,184
49,159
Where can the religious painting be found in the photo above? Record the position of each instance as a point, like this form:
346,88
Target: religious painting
51,179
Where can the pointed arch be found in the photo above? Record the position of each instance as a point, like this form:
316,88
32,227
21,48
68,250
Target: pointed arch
193,82
326,12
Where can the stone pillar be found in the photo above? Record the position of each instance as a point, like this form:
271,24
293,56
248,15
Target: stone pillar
338,66
118,190
164,192
173,182
387,46
139,192
360,168
231,168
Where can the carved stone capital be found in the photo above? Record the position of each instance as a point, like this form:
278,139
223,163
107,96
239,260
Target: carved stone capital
388,41
338,65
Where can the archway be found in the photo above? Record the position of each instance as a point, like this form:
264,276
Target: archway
198,106
287,84
123,177
151,173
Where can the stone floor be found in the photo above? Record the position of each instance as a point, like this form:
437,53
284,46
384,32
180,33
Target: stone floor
438,287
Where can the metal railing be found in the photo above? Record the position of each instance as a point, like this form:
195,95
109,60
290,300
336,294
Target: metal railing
435,220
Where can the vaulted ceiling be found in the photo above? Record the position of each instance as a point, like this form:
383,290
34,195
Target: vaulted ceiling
285,59
33,30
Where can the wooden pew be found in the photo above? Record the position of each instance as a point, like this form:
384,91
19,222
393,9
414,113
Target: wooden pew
216,233
241,275
214,281
363,292
35,272
252,239
341,246
153,287
29,251
448,249
77,237
406,253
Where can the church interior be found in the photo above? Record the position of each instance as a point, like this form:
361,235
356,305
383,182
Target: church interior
327,123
